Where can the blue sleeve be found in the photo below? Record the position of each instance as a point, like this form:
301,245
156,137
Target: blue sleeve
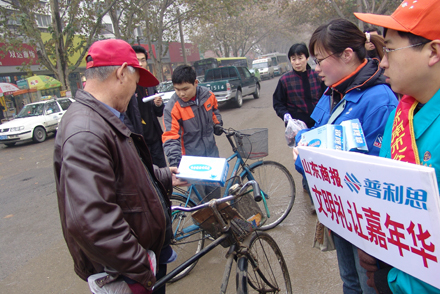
401,282
374,127
373,111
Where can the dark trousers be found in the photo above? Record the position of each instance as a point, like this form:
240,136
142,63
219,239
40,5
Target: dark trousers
161,272
306,188
157,155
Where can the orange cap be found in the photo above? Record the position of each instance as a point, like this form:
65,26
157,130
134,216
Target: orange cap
419,17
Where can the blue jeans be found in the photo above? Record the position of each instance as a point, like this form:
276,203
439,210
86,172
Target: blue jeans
353,275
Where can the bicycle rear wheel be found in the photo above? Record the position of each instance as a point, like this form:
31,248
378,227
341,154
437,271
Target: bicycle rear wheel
267,270
277,184
188,238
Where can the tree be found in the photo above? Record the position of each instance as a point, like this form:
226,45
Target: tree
317,12
125,16
161,23
367,6
234,28
73,27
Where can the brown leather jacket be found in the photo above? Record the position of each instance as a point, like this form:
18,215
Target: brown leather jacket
108,193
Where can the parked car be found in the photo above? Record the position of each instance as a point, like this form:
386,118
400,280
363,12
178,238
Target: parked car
168,89
231,83
34,121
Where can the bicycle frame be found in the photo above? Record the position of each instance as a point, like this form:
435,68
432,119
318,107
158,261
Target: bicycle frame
226,232
226,229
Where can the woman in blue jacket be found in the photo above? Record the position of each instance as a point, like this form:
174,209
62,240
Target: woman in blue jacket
356,89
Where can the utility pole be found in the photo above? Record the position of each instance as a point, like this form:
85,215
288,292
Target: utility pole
182,40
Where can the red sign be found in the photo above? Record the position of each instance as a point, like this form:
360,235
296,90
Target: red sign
176,55
16,57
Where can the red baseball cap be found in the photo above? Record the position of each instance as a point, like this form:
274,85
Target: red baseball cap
115,52
419,17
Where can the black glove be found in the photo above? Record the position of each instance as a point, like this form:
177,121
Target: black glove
218,130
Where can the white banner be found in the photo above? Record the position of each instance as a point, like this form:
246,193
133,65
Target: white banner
389,209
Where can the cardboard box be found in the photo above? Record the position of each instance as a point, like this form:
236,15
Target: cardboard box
327,136
208,171
348,136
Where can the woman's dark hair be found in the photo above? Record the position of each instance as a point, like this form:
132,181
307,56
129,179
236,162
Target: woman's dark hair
140,49
338,35
184,74
298,49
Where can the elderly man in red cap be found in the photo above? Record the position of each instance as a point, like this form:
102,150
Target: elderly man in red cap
412,67
114,205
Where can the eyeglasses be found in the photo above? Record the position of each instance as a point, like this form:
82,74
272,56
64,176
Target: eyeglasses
318,61
387,50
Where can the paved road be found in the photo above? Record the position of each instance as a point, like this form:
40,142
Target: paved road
33,255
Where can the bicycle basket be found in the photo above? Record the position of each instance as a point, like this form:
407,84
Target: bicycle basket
244,217
252,143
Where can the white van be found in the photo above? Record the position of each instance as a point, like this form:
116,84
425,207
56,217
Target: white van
265,67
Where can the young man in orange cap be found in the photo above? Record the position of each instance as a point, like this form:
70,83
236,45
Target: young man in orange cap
114,204
412,66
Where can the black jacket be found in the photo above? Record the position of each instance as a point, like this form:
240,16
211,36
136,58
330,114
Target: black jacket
149,113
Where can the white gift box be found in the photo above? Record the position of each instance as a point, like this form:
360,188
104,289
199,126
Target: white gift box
208,171
348,136
327,136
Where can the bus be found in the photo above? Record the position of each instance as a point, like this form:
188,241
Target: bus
280,62
202,65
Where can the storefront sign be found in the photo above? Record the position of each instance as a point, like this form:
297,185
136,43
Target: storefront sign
16,57
176,55
389,209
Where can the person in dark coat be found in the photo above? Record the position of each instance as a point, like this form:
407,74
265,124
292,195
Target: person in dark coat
113,202
145,114
299,90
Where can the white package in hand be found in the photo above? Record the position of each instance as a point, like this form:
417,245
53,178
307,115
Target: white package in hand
292,129
118,286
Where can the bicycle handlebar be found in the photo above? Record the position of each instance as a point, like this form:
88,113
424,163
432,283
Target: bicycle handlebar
256,194
229,131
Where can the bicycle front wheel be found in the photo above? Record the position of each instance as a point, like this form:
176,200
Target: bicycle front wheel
267,270
278,186
188,238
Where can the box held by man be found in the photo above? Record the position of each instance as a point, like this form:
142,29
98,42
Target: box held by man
209,171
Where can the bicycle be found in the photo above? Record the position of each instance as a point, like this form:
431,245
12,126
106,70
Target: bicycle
260,263
276,183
